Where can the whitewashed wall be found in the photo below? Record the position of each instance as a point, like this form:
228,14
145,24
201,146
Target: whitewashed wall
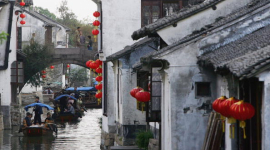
120,19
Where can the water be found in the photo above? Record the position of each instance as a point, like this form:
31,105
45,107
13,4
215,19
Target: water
83,135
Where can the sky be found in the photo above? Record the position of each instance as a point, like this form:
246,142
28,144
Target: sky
83,9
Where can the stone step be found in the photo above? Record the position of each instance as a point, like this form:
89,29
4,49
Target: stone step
124,148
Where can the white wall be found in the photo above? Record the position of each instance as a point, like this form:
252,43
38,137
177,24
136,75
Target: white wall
5,87
30,89
120,19
196,22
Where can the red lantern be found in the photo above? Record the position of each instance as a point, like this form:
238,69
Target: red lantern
99,62
96,14
52,67
43,76
95,32
68,65
143,96
22,22
96,23
242,111
99,70
98,95
88,63
43,71
224,106
134,91
93,65
99,86
215,104
99,78
22,3
22,15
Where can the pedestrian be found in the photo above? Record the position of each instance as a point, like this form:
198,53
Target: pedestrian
89,46
77,32
82,39
38,112
70,109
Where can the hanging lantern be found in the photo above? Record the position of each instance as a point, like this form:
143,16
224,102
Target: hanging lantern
43,76
93,65
22,22
99,78
95,32
99,70
96,14
88,63
98,95
224,106
52,67
242,111
22,3
99,62
43,72
215,104
225,111
68,65
99,86
96,23
22,15
134,91
143,96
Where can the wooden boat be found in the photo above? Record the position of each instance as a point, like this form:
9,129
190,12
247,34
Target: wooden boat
92,105
66,117
37,131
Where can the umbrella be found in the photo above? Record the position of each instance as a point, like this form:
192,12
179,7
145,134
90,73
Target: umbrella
38,104
65,95
82,89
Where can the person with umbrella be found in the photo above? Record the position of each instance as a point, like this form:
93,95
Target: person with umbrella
38,112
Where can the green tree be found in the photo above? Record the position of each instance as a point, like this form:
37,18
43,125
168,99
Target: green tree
77,75
37,59
46,12
3,36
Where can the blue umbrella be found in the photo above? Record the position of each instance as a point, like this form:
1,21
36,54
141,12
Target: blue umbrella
38,104
82,89
65,95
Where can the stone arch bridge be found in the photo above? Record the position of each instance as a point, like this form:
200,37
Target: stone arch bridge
77,56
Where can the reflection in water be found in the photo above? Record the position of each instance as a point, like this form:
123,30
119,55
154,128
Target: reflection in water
83,135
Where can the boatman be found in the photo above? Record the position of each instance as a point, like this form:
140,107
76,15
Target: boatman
38,112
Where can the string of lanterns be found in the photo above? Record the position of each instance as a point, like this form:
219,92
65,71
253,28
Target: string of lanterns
233,109
22,15
140,95
43,72
96,23
96,66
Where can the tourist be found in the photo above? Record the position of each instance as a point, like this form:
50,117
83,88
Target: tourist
38,112
70,109
89,46
27,120
82,39
77,32
48,91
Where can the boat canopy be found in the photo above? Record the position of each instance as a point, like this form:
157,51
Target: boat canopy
82,89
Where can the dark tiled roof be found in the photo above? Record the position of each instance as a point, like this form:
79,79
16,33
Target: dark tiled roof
129,49
244,55
170,20
220,22
48,21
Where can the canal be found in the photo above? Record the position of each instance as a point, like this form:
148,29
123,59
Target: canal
83,135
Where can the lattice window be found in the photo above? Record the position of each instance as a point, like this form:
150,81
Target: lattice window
17,75
150,12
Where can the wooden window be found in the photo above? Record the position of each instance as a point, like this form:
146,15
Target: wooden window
154,105
105,83
170,7
203,89
17,75
150,12
19,37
